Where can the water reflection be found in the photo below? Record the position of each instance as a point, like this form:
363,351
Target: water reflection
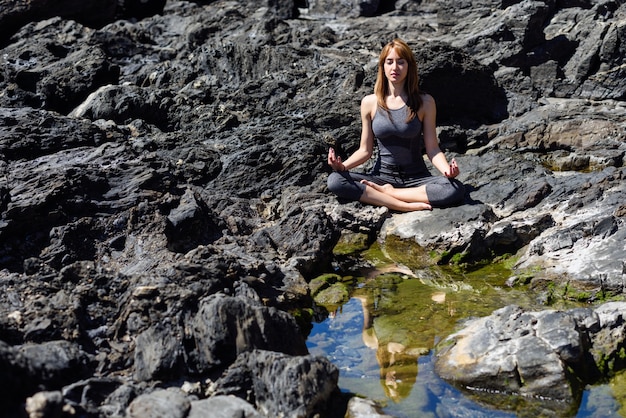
397,362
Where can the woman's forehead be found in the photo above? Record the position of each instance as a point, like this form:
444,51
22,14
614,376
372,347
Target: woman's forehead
393,54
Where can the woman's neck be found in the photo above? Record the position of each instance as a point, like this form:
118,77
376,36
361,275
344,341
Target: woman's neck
396,90
396,96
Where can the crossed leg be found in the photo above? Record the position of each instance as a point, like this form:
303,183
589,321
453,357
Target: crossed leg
400,199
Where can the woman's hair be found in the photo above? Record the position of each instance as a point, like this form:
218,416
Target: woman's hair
381,88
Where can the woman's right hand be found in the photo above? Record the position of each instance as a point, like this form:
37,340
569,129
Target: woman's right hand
334,161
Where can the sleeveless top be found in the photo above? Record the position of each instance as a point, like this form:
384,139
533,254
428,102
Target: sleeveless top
399,143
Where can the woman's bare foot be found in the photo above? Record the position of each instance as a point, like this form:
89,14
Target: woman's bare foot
418,206
385,188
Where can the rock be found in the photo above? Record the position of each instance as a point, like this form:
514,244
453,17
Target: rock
243,326
41,367
191,224
105,396
158,354
57,74
606,349
265,378
14,14
160,403
534,353
362,408
222,407
45,404
447,72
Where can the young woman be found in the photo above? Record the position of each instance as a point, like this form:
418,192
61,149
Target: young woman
395,116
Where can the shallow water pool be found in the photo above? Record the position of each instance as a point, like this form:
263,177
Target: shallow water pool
382,341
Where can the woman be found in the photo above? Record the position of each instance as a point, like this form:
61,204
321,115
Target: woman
395,116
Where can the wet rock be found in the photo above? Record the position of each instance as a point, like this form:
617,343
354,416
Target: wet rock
362,408
329,291
459,230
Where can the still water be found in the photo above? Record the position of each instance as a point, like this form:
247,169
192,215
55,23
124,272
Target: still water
382,341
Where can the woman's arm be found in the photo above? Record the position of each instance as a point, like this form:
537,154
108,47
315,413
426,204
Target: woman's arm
366,146
431,143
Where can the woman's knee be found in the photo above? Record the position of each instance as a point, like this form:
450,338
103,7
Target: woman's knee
458,196
451,193
334,182
344,186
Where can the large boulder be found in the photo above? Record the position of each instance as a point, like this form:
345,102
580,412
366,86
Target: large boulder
547,354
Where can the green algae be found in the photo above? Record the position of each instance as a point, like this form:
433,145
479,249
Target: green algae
351,243
334,296
304,319
331,290
406,252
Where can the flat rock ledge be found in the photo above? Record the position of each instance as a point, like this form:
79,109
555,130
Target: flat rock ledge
548,355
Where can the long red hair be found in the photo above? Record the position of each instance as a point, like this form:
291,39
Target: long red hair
411,83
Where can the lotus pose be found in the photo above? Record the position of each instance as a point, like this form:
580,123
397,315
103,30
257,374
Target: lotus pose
396,115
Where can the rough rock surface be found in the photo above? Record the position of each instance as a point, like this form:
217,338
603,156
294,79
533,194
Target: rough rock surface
542,354
162,182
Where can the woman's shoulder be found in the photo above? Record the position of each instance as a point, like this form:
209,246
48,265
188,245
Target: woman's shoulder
428,106
369,100
369,104
427,99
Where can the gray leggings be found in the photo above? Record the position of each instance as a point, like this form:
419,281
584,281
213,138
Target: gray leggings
441,191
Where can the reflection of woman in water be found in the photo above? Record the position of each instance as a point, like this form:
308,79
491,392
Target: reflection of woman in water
398,366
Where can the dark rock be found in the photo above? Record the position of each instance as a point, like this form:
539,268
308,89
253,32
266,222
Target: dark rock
264,379
106,396
35,367
57,71
191,224
243,326
447,73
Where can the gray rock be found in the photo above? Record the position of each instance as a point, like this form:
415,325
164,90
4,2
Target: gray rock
160,403
364,408
222,407
40,367
45,404
533,353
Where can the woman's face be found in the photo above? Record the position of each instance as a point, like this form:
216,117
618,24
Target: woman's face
396,67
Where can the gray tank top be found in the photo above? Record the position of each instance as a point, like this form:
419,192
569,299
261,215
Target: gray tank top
399,143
